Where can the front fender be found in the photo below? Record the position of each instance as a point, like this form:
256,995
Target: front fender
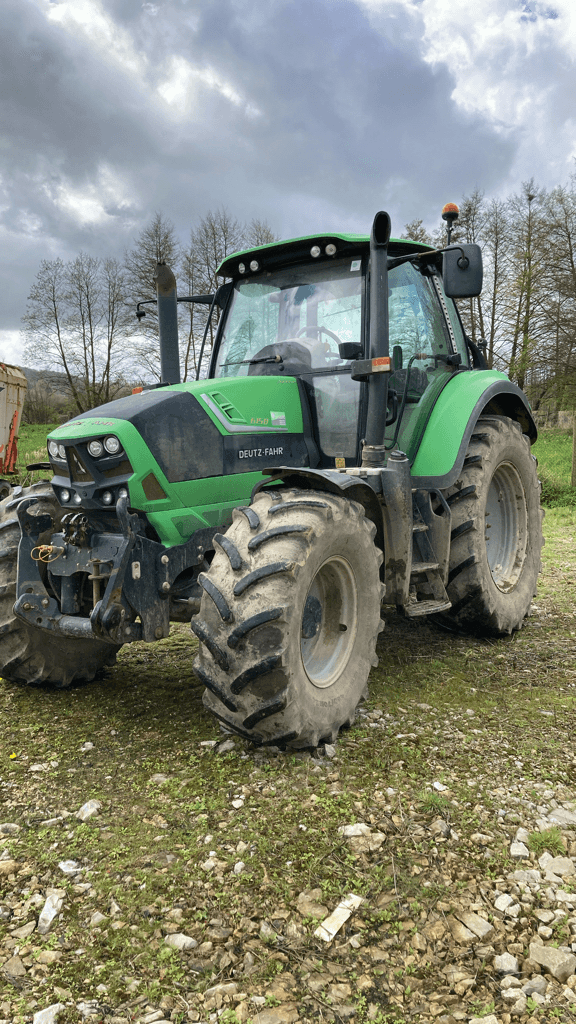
467,396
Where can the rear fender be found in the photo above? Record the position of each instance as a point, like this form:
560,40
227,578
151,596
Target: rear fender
466,397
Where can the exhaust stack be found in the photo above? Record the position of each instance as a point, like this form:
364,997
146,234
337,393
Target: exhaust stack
373,453
168,324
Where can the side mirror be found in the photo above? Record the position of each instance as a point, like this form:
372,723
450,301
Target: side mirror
462,271
223,294
349,350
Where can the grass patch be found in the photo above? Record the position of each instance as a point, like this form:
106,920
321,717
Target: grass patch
550,839
553,449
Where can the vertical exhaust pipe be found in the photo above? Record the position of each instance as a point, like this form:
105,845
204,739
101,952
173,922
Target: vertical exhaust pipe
168,324
373,452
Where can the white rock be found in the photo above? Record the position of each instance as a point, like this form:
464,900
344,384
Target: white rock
239,867
510,995
509,981
490,1019
237,804
69,867
180,941
9,828
514,911
519,1007
97,919
522,835
439,787
52,907
519,850
88,810
226,747
87,746
544,915
544,931
561,816
350,831
49,1015
506,964
560,965
561,896
569,995
208,865
504,901
330,750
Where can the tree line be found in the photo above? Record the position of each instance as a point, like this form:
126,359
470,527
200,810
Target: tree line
80,315
525,317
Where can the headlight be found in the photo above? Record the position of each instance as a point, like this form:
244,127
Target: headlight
77,499
64,495
107,497
62,452
53,449
112,445
123,492
95,448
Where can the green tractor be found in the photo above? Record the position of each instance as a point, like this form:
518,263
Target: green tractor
349,448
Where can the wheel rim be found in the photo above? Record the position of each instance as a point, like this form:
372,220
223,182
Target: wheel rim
506,527
329,622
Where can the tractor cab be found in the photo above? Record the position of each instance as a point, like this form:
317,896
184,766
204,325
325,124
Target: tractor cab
309,320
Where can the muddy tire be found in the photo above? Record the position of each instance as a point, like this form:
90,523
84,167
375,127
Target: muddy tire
289,618
29,655
496,536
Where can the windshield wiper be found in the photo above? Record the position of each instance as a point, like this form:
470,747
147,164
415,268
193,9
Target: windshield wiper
252,362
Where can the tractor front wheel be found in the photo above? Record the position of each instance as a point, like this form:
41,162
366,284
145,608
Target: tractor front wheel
27,654
289,618
496,536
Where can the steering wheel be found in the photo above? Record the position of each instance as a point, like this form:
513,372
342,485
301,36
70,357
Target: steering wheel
330,355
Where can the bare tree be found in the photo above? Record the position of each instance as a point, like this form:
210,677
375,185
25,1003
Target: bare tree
416,232
216,236
75,318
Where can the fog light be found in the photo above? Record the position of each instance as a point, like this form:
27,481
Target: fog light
112,445
123,492
254,265
64,495
330,249
107,497
315,251
77,499
95,448
242,268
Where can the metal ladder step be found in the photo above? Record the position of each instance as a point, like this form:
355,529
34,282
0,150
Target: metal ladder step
426,608
418,567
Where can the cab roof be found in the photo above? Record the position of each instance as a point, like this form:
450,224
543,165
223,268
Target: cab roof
296,250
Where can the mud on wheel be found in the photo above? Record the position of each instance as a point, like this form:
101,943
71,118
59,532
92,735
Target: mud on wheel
289,618
496,531
30,655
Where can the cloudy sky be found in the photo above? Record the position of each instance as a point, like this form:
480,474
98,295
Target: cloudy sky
311,114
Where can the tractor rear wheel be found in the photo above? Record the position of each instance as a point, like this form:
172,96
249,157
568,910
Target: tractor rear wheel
496,536
289,618
29,655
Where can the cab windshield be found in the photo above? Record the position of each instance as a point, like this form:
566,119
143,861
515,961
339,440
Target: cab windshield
291,321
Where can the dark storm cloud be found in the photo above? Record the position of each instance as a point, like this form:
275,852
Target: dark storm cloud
325,120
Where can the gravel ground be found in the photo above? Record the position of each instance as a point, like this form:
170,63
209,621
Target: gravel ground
153,868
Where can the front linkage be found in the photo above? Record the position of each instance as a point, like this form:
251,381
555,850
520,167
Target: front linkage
86,582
